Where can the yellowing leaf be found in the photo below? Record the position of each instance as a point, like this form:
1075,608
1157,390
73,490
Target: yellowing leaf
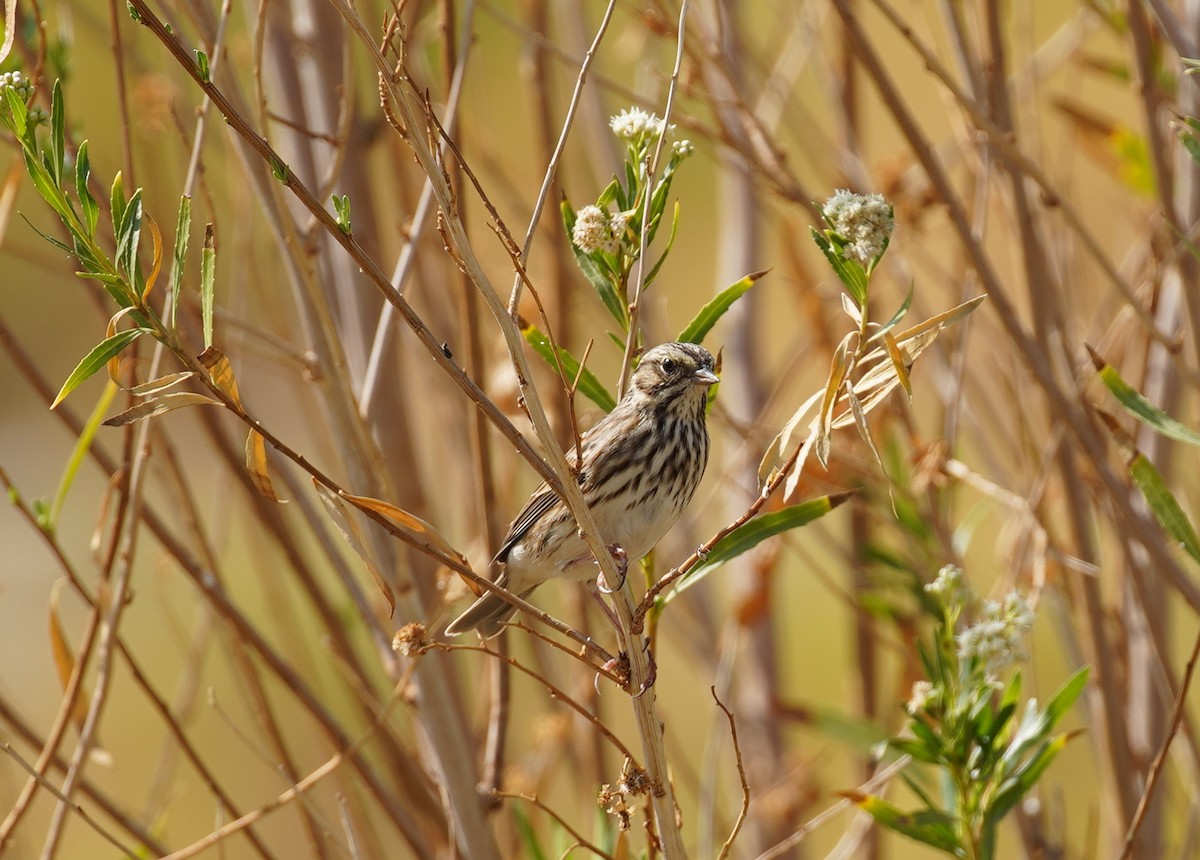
353,535
413,525
220,371
64,664
158,405
256,463
156,386
158,256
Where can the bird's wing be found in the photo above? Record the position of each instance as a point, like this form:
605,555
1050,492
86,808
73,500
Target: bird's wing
540,502
543,499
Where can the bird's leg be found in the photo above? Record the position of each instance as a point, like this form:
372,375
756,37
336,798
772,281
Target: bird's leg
594,588
622,560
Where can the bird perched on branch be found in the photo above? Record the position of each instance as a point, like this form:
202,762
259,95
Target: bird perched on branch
641,465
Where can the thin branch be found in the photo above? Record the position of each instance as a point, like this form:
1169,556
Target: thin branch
1156,767
737,752
582,842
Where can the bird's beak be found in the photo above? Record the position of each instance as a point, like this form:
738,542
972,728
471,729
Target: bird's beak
704,376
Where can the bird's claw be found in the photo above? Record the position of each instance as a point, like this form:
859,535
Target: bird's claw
651,673
622,560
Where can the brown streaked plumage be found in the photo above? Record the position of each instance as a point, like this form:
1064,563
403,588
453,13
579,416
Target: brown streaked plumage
641,465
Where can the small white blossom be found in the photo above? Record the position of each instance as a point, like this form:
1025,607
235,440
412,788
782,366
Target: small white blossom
947,585
683,148
637,125
865,221
996,639
597,230
923,695
16,81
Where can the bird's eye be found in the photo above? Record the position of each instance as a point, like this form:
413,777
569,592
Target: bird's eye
669,365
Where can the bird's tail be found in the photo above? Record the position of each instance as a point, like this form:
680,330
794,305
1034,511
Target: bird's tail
486,615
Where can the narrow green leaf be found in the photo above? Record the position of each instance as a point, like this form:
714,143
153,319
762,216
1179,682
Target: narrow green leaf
600,283
849,272
609,194
79,454
183,228
1192,144
897,317
749,535
341,208
527,835
117,203
929,826
1015,787
670,243
1140,407
700,325
632,188
1064,697
589,385
58,147
129,236
96,359
83,169
202,65
43,181
916,749
1164,505
208,274
18,111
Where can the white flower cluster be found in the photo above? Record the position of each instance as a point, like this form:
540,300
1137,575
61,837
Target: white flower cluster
23,87
923,695
638,126
682,148
997,638
947,586
597,230
865,221
18,82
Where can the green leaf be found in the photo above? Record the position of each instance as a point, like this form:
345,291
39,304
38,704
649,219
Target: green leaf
916,749
18,112
1064,697
129,236
83,169
609,194
1015,787
849,272
1140,407
700,325
202,66
527,835
57,134
43,181
670,243
750,534
208,274
96,359
929,826
1192,144
117,203
601,284
341,206
1164,505
183,228
897,317
589,385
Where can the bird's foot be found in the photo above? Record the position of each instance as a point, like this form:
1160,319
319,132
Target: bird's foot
622,561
